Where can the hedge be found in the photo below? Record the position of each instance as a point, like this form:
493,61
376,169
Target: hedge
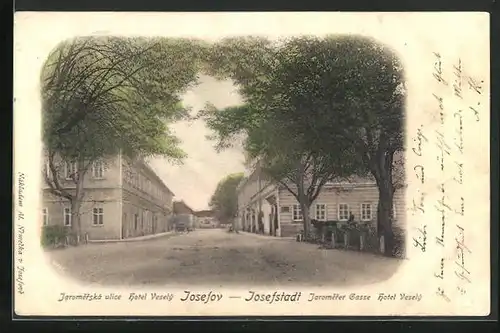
58,236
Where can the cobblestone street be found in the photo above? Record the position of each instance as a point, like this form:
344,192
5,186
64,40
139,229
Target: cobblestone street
219,258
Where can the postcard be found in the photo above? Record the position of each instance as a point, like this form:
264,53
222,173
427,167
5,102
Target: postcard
251,164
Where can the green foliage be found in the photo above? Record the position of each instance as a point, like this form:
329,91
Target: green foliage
104,94
316,110
284,125
224,201
53,234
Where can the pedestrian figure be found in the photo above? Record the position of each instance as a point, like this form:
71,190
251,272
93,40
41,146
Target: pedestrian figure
351,217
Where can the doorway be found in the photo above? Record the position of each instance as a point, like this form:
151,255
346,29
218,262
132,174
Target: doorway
124,226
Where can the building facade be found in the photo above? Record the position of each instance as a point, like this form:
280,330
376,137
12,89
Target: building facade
122,199
281,215
206,219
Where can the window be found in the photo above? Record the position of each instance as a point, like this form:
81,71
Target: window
98,216
70,169
45,214
321,212
136,221
297,213
366,212
393,211
67,216
343,212
97,169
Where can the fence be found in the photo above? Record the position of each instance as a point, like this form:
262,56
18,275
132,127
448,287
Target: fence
353,236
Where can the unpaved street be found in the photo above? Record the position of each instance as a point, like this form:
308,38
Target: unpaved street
219,258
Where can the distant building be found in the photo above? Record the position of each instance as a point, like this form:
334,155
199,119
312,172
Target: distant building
184,215
206,219
122,199
282,215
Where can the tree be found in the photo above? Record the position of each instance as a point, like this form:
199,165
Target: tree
357,90
334,103
286,154
104,95
224,201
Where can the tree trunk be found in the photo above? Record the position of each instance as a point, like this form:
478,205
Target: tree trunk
381,168
75,217
76,202
304,206
384,218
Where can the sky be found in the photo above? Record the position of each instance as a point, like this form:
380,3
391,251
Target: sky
196,179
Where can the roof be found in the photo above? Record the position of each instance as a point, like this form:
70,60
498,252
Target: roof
150,171
178,205
249,174
398,175
204,213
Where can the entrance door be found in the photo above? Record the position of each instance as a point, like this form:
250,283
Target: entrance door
275,221
124,226
270,224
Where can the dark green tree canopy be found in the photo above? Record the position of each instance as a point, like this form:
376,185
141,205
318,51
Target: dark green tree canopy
104,94
315,109
224,201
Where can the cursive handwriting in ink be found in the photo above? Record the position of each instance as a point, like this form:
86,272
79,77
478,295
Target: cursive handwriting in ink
438,70
442,201
418,140
463,273
461,210
418,205
441,108
419,171
476,111
457,86
475,85
440,275
421,240
460,177
440,292
441,208
459,142
444,148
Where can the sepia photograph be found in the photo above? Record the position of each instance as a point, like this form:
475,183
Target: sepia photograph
304,170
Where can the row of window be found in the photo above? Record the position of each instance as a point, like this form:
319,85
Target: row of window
71,168
97,216
141,182
147,216
343,212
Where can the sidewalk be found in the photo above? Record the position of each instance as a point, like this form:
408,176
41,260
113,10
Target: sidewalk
264,235
134,239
